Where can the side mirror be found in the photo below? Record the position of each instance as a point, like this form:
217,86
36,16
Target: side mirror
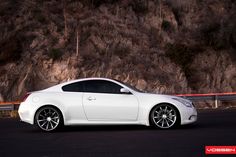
124,90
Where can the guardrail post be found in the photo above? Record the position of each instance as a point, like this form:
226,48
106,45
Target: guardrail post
216,101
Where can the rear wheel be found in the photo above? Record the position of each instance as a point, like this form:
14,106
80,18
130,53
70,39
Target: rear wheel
164,116
48,118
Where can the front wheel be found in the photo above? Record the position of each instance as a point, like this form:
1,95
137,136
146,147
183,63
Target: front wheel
164,116
48,118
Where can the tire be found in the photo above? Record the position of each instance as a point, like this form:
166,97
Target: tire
164,116
48,118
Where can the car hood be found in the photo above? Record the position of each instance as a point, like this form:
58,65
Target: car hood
161,96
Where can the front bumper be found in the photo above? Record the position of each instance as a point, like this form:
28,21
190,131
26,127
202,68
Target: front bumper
189,116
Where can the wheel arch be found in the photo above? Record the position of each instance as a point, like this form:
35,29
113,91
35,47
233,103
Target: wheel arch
50,105
174,106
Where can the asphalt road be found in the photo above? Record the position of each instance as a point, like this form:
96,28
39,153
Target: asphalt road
214,127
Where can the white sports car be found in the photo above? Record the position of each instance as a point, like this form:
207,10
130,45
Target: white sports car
103,101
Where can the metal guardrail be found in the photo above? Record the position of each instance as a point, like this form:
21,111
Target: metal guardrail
216,97
9,106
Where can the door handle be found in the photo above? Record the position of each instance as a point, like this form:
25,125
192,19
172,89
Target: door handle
91,98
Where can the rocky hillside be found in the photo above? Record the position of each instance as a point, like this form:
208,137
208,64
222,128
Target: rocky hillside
162,46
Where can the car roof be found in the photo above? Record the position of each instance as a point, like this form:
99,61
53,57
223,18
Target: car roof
59,86
87,79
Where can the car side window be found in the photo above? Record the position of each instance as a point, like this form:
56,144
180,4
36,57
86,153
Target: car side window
101,86
74,87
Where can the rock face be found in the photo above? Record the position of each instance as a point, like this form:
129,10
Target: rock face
174,46
215,71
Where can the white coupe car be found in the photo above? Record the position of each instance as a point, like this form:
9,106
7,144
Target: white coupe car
94,101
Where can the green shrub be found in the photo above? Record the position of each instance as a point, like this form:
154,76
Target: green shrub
218,34
10,49
182,55
97,3
140,6
209,33
166,25
55,53
154,37
178,16
121,50
84,35
39,16
54,41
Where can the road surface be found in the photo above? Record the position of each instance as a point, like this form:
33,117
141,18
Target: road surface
214,127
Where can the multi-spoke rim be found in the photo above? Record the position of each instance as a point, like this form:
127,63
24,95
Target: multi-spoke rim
48,119
164,116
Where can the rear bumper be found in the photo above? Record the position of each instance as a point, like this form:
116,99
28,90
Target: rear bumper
25,113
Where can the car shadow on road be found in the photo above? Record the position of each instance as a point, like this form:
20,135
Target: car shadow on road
115,128
92,128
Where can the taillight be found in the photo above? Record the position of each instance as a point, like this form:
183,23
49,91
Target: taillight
25,97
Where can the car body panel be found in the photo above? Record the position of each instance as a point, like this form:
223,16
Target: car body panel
76,109
110,107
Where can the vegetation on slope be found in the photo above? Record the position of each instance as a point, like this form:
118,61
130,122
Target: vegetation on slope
172,46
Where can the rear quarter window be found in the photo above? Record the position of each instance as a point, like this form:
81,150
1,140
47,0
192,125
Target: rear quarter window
74,87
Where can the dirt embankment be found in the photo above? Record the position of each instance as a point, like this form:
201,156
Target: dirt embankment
174,46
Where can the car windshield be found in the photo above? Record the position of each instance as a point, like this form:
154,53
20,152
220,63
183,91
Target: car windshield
131,87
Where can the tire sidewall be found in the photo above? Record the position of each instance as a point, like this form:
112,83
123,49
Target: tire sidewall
52,108
153,124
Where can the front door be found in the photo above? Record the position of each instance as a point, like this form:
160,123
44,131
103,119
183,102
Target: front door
102,100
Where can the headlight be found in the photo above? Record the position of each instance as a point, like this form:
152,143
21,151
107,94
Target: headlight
184,102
